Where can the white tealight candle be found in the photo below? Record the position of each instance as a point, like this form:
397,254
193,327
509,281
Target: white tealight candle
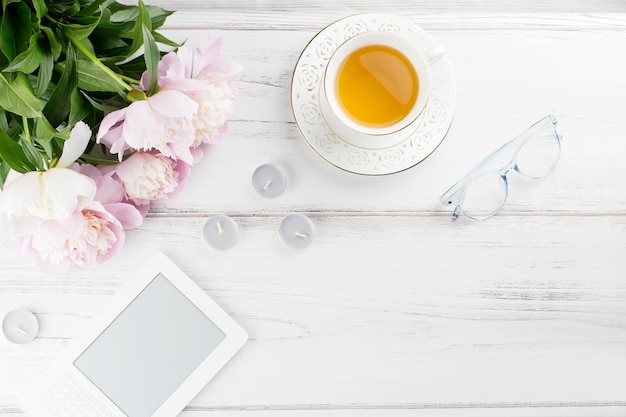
296,231
20,326
269,181
220,232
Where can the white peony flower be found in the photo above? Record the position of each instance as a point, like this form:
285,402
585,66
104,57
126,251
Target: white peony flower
148,177
74,147
51,195
215,106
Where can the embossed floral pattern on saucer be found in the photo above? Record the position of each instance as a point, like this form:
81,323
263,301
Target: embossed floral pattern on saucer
433,124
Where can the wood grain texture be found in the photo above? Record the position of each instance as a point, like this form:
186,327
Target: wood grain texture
446,313
416,5
395,309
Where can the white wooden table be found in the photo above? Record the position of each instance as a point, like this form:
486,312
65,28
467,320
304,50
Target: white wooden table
395,309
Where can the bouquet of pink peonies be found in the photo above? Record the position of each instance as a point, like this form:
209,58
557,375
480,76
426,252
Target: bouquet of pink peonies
96,123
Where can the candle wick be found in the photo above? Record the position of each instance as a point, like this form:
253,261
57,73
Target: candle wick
22,331
219,228
267,185
300,235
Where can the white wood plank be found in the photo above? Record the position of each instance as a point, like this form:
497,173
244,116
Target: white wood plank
510,6
379,310
315,18
479,410
435,410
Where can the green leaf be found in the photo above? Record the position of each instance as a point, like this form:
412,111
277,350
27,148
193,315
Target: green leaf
143,21
4,61
7,41
137,37
78,108
13,155
151,51
5,3
48,148
29,60
93,78
64,8
93,8
40,8
46,69
4,172
44,132
15,30
4,125
156,14
152,56
144,14
79,31
107,42
43,135
64,135
17,96
58,106
99,106
55,45
116,29
163,40
33,155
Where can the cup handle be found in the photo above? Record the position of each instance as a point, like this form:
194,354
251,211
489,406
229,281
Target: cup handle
434,54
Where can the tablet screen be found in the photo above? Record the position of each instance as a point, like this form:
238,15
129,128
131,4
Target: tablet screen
147,352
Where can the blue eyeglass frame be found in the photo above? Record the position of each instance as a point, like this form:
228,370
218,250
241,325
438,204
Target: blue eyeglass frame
455,194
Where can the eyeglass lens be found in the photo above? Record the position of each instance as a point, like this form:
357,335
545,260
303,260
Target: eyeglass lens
484,195
538,155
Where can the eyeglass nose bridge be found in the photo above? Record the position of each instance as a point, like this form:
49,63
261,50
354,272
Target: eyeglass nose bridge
511,166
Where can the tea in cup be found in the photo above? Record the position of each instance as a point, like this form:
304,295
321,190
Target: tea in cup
375,85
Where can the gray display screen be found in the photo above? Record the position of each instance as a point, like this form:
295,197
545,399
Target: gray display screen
147,352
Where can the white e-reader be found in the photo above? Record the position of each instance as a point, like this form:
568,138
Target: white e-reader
151,350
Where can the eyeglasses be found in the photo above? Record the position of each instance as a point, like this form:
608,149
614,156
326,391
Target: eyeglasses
483,191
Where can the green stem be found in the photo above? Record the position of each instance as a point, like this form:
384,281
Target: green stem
129,79
99,161
26,130
115,76
51,19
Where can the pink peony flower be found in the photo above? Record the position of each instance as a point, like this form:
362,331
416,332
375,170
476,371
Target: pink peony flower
204,63
195,98
88,237
110,193
151,177
162,122
206,76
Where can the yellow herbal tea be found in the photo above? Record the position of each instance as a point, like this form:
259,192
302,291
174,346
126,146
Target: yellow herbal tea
377,86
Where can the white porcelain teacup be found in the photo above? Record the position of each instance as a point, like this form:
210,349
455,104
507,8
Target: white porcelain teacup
375,86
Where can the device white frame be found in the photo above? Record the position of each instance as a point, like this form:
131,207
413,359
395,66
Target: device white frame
235,338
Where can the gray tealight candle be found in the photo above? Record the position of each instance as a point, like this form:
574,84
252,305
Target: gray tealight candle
296,231
269,181
220,232
20,326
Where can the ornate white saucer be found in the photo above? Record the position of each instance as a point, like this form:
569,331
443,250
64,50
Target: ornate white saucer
432,125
